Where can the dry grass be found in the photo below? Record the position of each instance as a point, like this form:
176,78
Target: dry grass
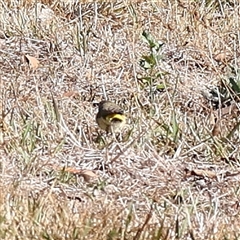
177,174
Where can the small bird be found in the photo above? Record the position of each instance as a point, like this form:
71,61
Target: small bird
110,117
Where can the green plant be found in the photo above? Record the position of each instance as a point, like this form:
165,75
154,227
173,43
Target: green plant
227,91
149,62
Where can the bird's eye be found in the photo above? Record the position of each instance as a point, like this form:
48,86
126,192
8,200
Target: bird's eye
95,104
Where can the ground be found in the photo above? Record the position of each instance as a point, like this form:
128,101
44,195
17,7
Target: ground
172,173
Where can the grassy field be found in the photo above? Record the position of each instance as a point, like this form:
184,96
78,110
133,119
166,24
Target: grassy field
173,173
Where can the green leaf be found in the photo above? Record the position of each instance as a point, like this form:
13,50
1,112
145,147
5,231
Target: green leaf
146,79
235,85
148,61
153,43
144,64
160,86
